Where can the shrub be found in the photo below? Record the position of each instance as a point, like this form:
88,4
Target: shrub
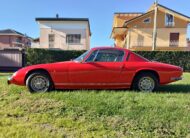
38,56
179,58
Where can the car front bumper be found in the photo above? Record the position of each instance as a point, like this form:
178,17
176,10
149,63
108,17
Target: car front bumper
9,80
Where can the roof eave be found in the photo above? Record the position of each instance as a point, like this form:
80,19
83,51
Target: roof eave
127,22
129,13
111,36
8,34
67,19
62,19
175,12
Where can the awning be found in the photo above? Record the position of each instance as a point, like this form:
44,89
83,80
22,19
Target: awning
118,31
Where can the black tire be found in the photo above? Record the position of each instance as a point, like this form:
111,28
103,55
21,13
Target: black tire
143,80
33,86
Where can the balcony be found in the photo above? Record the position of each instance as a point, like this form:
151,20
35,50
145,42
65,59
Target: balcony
170,24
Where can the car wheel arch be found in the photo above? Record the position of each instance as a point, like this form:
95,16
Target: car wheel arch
146,71
37,70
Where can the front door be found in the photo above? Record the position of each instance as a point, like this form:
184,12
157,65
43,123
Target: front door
174,39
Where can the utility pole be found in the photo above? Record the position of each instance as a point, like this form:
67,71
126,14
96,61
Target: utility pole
155,26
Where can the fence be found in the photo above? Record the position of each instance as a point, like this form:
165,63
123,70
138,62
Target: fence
11,59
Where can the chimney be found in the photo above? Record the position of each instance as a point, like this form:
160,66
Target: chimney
57,15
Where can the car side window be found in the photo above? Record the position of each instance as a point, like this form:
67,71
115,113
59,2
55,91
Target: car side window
92,56
109,55
128,56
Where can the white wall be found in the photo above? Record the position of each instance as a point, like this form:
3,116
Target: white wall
60,29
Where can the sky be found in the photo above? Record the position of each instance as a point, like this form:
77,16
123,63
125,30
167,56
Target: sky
20,14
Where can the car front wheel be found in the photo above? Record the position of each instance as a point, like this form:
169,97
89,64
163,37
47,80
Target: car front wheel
39,82
146,82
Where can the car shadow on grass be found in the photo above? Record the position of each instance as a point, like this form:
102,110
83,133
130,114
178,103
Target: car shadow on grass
174,88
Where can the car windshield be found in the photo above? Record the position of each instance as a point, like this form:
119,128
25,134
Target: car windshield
81,58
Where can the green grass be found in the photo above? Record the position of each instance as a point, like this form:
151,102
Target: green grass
83,113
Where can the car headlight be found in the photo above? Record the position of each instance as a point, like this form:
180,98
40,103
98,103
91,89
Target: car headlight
14,75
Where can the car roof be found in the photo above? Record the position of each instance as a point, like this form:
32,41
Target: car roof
109,47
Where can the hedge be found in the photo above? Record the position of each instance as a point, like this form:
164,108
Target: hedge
37,56
179,58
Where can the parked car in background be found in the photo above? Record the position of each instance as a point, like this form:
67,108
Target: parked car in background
99,68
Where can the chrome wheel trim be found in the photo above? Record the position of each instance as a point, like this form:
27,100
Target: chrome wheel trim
146,84
40,83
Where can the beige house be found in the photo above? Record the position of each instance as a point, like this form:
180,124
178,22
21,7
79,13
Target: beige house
134,31
64,33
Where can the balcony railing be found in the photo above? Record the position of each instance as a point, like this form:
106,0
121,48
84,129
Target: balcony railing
170,24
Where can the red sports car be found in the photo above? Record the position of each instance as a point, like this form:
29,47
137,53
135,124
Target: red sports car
98,68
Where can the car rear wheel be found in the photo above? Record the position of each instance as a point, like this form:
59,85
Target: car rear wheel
146,82
39,82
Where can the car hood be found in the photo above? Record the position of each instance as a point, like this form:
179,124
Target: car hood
48,66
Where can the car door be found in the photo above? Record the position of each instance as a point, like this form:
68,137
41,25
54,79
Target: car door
103,66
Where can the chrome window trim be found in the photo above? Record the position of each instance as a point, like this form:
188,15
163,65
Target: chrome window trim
98,50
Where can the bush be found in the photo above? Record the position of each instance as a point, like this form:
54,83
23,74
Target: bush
38,56
179,58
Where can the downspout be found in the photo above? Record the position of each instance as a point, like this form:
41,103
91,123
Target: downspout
128,38
155,26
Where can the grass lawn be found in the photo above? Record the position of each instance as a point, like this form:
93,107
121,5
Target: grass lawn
93,113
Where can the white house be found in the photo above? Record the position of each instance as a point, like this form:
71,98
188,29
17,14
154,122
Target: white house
64,33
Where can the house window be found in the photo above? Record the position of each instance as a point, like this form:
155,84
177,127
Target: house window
174,39
73,38
28,43
147,20
169,20
51,40
19,40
